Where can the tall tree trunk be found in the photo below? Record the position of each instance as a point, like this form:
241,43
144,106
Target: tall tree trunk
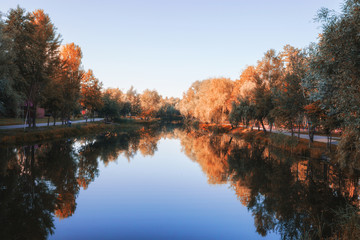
292,129
34,115
262,123
27,116
311,134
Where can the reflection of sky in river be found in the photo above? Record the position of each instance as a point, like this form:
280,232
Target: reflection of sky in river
165,196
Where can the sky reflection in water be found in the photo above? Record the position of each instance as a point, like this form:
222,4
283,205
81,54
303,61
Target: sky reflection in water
162,196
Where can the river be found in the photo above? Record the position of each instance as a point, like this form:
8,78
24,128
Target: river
167,183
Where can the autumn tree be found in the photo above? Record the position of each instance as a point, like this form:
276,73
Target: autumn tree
70,78
214,103
150,103
91,92
208,100
63,92
242,97
133,97
48,42
245,84
190,100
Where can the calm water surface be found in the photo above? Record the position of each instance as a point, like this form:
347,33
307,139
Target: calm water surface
165,184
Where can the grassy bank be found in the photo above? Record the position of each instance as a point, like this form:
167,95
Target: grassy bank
19,136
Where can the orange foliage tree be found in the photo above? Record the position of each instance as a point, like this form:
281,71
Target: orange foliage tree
208,100
91,92
150,103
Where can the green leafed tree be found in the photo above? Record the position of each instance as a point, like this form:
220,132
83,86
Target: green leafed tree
267,79
289,98
10,99
335,73
241,112
35,46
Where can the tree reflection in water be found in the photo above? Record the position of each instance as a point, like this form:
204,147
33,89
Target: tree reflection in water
293,196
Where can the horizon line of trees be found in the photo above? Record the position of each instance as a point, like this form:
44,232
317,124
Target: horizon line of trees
146,105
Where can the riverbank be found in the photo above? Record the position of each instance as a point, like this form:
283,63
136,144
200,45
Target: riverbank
38,134
293,145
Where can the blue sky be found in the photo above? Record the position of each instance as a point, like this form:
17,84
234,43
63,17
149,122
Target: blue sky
167,45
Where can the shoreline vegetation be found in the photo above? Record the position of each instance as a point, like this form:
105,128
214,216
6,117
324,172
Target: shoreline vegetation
290,144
